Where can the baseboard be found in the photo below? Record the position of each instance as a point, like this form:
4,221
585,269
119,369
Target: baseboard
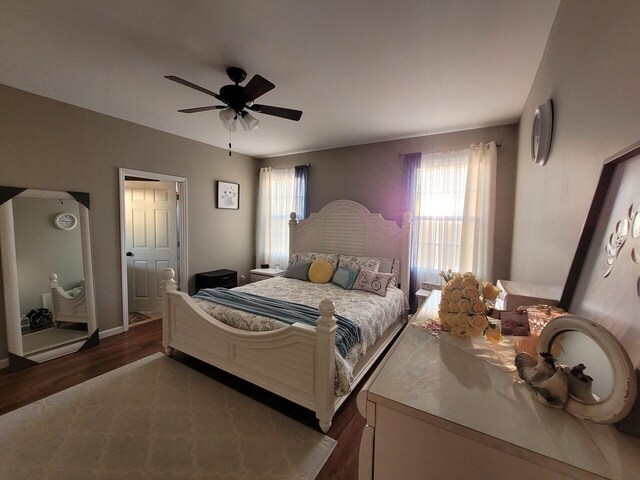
4,363
111,332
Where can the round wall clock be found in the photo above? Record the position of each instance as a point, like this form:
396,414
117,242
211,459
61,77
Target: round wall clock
65,221
541,132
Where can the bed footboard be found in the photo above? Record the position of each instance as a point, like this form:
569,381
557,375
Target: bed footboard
296,362
65,307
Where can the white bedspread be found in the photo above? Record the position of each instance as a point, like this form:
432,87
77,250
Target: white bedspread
373,314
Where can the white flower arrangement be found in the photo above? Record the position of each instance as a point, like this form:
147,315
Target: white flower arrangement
465,304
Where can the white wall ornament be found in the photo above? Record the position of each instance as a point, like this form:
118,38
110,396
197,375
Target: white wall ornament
541,133
626,229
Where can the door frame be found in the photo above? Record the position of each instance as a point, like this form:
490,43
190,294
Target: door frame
183,269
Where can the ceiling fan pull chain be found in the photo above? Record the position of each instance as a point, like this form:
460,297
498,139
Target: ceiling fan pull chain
229,142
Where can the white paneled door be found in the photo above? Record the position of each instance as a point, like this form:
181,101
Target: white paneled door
151,240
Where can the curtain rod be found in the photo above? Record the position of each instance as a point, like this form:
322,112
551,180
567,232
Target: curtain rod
498,145
305,165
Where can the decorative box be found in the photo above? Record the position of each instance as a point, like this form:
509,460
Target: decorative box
519,294
514,322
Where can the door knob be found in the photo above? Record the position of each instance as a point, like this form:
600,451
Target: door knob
130,254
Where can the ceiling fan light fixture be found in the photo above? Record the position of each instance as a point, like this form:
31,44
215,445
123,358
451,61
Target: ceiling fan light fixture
228,117
248,121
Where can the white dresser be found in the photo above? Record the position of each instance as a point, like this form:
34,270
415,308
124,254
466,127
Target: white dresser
436,412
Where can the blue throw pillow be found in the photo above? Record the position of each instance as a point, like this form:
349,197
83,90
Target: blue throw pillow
344,278
298,270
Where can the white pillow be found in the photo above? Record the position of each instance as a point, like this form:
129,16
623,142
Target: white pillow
373,282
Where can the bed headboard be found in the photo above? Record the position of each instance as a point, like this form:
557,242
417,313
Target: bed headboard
347,227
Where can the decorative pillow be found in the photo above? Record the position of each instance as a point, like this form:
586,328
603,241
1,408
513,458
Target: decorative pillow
390,265
320,271
332,258
373,282
344,278
298,270
371,264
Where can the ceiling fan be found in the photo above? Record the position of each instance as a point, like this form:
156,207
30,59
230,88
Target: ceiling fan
237,99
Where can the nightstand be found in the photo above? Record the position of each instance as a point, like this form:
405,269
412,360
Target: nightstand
217,278
258,274
422,295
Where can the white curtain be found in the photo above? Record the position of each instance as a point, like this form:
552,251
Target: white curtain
479,212
440,184
452,197
280,192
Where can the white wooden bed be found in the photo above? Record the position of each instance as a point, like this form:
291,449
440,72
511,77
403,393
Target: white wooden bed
66,306
296,362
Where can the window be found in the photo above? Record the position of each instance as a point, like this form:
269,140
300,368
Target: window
451,197
281,191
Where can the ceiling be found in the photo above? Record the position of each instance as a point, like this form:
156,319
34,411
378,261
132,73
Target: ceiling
362,71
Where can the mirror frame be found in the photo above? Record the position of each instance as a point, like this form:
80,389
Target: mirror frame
622,397
10,276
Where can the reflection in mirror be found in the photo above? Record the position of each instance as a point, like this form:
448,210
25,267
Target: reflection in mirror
591,377
592,352
47,274
49,242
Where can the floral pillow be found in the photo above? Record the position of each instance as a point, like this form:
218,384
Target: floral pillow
332,258
373,282
390,265
371,264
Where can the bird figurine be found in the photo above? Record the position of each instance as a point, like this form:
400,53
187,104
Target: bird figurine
534,372
554,391
580,384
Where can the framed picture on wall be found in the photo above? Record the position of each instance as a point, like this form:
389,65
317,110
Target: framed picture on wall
227,195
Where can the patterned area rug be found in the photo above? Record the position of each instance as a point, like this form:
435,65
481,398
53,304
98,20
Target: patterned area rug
138,318
156,419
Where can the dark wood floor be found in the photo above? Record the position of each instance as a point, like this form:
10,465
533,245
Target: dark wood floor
21,388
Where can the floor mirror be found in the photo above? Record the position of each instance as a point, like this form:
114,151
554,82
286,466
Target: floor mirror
47,274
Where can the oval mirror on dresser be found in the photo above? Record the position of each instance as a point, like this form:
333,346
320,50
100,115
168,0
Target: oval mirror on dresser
47,274
602,378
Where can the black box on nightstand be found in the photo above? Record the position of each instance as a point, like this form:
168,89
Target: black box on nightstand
217,278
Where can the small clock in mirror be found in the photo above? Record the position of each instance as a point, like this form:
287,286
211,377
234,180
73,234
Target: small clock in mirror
65,221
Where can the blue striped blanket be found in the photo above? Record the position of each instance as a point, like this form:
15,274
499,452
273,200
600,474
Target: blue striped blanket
347,334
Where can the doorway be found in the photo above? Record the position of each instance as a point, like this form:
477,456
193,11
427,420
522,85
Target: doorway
153,237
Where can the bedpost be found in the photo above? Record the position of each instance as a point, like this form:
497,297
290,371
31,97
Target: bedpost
405,261
325,364
53,280
167,284
292,223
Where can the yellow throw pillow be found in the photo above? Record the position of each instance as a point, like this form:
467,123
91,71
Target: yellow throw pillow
320,271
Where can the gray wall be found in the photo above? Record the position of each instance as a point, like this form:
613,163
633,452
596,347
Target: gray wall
373,175
42,249
590,69
51,145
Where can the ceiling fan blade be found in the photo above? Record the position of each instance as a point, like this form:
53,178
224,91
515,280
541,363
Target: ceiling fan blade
202,109
277,111
257,87
186,83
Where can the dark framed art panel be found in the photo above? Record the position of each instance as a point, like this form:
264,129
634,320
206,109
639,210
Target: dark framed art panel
603,284
227,195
